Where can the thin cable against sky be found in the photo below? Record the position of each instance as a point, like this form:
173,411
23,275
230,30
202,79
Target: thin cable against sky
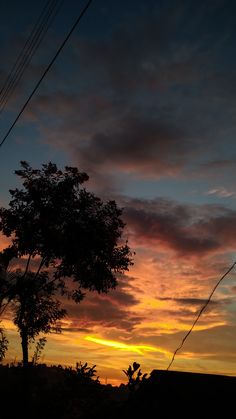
47,70
199,314
15,65
30,47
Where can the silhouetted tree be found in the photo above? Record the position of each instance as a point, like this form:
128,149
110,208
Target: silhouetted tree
3,344
56,223
3,294
35,308
5,277
40,345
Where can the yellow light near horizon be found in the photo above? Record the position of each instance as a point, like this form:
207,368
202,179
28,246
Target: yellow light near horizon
126,347
175,326
8,325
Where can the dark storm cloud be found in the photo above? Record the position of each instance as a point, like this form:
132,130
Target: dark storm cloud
187,229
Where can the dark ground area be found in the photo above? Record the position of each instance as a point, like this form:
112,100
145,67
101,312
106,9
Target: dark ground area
55,393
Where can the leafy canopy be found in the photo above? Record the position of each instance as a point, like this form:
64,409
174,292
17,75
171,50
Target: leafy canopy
34,306
55,218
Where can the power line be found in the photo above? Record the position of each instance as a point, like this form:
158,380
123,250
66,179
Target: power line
22,51
47,69
32,44
199,314
19,58
28,51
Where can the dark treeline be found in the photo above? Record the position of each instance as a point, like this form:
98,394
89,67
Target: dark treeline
66,393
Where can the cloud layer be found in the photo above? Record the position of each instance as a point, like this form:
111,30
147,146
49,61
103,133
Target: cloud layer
145,95
186,229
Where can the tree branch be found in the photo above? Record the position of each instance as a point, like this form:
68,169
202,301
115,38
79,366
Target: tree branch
4,306
40,267
27,266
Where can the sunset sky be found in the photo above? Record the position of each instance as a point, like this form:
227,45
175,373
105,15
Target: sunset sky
142,98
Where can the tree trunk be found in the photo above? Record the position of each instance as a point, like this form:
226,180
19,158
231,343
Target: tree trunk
24,345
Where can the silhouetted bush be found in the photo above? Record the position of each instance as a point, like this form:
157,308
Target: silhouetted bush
135,376
86,373
38,350
3,344
41,392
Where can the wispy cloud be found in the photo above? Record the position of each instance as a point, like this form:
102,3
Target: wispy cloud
221,192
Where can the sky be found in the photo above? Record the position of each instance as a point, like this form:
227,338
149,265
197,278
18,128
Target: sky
142,98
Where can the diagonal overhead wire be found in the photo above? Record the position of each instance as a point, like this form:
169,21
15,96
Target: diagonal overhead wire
47,70
199,314
30,47
16,63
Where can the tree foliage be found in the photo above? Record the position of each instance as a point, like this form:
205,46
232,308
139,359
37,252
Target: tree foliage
71,229
135,376
66,232
3,344
39,347
34,306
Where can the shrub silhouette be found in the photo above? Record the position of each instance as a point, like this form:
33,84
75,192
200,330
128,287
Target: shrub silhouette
135,376
3,344
38,350
86,373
